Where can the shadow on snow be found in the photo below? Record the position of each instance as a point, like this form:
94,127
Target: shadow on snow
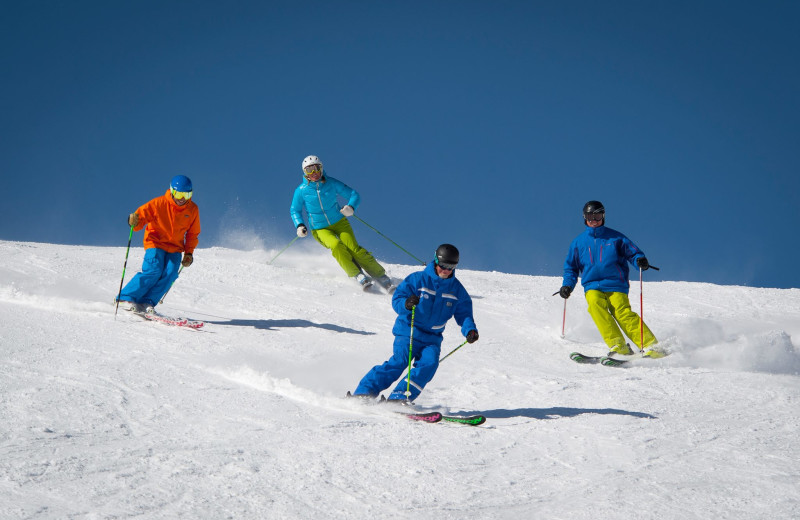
273,324
558,411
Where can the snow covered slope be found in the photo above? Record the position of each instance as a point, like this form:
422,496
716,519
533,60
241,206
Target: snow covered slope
122,418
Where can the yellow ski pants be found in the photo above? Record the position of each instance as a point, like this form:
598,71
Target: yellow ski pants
341,240
609,308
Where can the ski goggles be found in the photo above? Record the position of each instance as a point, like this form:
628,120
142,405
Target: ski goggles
180,195
595,217
446,265
312,169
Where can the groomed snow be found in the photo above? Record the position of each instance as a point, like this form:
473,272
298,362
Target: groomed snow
122,418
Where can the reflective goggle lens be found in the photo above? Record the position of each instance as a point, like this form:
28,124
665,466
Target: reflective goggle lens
445,265
181,195
312,168
595,217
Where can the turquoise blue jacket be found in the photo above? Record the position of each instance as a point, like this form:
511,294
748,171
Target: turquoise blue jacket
320,200
600,256
439,300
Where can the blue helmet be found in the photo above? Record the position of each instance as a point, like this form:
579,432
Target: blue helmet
181,183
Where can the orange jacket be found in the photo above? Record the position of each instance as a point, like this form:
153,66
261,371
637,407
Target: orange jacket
170,227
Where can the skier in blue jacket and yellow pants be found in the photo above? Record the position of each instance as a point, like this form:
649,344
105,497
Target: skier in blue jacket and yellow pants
319,195
435,296
600,255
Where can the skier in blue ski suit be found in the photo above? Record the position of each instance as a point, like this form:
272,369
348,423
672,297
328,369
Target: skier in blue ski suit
435,295
600,256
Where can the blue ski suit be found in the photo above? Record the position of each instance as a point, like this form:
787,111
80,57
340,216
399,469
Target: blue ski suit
600,256
439,300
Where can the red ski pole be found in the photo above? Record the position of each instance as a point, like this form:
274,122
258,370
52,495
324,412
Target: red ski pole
641,312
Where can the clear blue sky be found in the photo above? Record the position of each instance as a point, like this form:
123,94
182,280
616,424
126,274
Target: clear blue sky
484,124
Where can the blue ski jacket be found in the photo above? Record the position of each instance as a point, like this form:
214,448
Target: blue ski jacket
600,256
439,300
321,202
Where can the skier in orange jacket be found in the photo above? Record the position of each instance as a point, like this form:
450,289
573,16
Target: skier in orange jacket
172,225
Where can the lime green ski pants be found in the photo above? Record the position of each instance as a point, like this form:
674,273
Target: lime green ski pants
609,308
341,240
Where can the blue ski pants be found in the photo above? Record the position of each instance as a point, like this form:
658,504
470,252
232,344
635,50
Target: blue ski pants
159,270
425,362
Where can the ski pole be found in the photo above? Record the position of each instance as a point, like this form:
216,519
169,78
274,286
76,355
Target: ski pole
641,307
282,250
641,311
124,266
563,318
390,240
170,285
452,351
410,350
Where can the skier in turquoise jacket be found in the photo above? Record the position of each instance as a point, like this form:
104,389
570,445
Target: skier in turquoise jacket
434,295
600,256
319,195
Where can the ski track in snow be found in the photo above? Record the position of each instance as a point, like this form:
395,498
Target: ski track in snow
123,418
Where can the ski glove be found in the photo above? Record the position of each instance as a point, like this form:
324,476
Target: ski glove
472,336
187,259
133,220
412,301
347,211
565,291
302,230
643,263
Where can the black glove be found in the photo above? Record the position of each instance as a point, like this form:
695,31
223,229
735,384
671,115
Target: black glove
565,291
302,230
412,301
472,336
187,259
642,263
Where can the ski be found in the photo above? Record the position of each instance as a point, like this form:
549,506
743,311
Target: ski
593,360
472,420
611,362
427,417
583,359
176,322
194,324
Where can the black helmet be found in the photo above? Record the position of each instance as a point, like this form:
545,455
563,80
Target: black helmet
594,207
446,256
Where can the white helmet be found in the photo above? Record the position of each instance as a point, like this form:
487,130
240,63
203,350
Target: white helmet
311,159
